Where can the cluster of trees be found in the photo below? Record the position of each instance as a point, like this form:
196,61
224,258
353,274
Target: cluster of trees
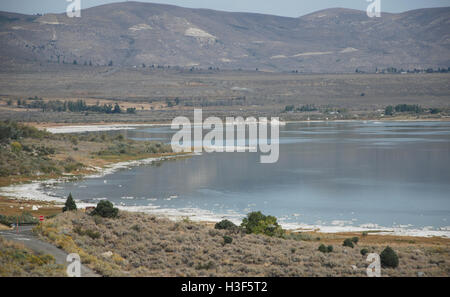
104,208
254,223
412,108
303,108
401,70
72,106
131,110
307,107
171,103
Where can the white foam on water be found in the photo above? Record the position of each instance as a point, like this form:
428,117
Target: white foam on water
203,215
127,198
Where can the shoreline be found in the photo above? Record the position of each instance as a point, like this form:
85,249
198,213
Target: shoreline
35,190
103,126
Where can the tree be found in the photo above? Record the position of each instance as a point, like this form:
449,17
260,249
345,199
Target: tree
110,63
348,242
257,223
323,248
389,110
389,258
105,209
289,108
117,108
131,110
364,251
70,204
225,225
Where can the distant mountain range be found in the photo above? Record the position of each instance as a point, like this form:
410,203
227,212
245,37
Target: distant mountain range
133,33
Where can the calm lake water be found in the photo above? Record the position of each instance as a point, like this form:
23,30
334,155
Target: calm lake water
330,174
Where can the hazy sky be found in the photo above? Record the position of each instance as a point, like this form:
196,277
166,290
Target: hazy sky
292,8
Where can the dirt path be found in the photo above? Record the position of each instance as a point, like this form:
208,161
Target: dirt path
27,238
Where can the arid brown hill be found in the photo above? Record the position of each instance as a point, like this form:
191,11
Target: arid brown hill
133,33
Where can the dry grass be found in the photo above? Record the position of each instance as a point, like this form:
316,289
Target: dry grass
266,94
16,260
143,245
13,207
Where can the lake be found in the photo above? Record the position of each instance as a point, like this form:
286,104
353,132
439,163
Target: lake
329,174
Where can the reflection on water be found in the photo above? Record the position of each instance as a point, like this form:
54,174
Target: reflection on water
328,173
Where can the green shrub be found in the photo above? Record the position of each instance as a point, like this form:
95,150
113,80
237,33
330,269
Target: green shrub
13,130
16,147
364,251
78,230
72,166
323,248
70,204
105,209
389,258
136,228
92,234
227,240
348,242
355,240
205,266
257,223
225,225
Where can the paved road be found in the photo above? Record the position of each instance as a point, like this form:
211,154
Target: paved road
27,238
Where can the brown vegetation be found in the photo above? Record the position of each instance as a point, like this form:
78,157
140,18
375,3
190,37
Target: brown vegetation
142,245
16,260
41,155
165,94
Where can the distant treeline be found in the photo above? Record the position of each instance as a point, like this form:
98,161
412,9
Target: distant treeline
401,70
411,108
304,108
71,106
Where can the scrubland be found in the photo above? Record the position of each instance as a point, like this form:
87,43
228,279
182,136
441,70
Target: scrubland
159,95
136,244
28,154
16,260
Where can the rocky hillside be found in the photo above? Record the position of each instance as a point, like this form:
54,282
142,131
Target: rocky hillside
133,33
